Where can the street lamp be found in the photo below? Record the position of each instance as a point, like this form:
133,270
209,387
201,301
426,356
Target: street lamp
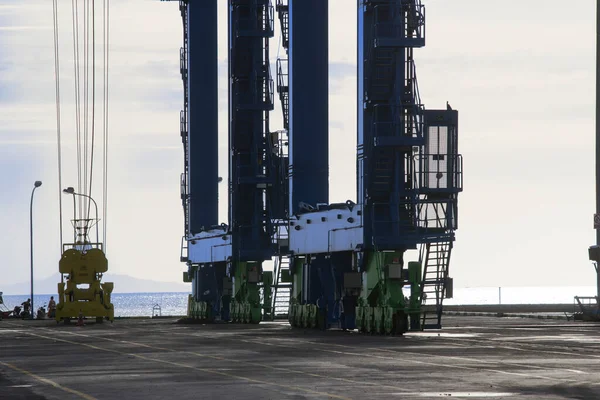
70,190
74,216
36,185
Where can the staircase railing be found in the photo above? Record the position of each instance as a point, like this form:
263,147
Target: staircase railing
434,283
283,12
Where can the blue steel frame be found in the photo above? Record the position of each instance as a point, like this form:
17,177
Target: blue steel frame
253,168
201,114
199,135
390,120
308,103
308,69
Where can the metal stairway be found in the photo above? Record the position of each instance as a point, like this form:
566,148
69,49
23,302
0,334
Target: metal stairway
383,177
283,10
283,90
433,285
379,87
183,69
282,66
282,289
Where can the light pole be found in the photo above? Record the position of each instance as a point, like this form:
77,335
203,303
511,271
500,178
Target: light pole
36,185
70,190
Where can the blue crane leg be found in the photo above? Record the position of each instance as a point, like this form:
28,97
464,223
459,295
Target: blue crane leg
389,120
252,169
203,114
308,70
308,86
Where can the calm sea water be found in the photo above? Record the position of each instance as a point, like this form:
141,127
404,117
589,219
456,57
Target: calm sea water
141,304
126,304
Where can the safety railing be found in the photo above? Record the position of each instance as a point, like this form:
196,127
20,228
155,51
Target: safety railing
413,97
183,125
261,89
282,75
436,214
283,11
283,89
384,223
183,63
183,188
441,172
184,253
420,216
183,8
398,121
85,246
255,20
411,26
267,89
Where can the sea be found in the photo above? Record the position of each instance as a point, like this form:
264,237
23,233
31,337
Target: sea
175,303
126,304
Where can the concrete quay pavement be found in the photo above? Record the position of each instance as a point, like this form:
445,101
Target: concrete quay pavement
471,357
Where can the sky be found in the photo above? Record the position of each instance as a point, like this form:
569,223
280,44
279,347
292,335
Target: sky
520,74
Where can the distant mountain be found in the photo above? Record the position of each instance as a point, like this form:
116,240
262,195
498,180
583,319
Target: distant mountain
123,284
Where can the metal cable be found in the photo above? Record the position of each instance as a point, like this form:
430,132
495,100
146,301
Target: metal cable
86,51
77,93
104,123
93,104
57,78
105,133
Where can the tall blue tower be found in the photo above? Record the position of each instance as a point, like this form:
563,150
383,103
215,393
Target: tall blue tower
303,90
199,117
199,134
254,170
308,70
409,169
390,119
201,113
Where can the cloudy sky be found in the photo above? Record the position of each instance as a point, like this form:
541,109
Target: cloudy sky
520,73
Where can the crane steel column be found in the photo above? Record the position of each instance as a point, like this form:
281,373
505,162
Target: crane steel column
199,129
390,123
203,115
199,133
308,71
253,169
203,140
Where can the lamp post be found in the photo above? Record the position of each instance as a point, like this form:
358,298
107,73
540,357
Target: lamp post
70,190
36,185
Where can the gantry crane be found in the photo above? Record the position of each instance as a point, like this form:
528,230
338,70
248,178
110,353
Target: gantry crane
225,261
348,266
346,261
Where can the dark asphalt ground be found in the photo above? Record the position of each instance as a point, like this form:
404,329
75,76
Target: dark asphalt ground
472,357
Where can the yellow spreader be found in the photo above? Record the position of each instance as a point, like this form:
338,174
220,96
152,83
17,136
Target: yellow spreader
84,295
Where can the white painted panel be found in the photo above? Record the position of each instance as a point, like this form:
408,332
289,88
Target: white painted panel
327,231
209,246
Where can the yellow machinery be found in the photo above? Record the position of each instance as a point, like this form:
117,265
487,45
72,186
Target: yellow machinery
82,265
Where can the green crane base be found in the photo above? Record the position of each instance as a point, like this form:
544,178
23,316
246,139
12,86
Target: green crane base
382,307
199,310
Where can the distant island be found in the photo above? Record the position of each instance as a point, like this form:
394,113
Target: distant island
123,284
